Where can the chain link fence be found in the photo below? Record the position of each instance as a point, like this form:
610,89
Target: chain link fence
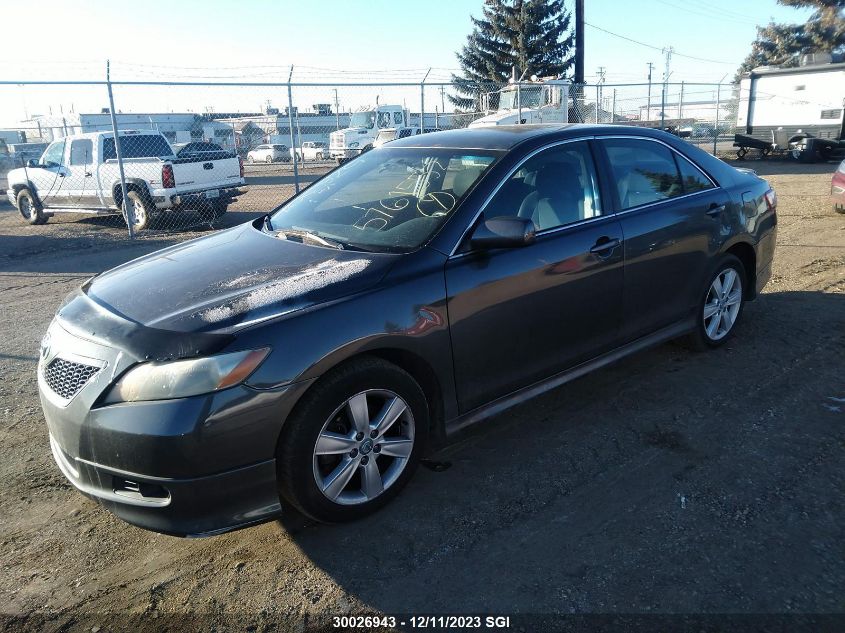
215,154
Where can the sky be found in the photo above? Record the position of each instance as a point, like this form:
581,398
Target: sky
329,40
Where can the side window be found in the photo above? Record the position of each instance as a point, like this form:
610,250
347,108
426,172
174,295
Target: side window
691,176
384,119
644,171
53,155
397,118
80,151
554,188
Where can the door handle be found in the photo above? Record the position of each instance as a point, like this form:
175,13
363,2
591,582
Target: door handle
604,246
88,174
60,174
715,210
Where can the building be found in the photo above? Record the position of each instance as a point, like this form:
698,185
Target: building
698,110
177,127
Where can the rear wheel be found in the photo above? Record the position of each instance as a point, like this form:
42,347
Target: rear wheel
250,158
269,159
721,305
353,442
141,209
30,209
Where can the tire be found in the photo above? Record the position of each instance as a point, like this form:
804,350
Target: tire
318,156
712,332
374,476
839,208
250,158
269,159
30,208
142,209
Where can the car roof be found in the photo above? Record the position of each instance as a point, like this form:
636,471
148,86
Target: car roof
505,137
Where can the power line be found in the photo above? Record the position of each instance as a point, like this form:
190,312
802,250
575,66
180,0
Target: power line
659,48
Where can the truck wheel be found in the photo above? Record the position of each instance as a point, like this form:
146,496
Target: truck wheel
141,209
269,159
250,159
30,208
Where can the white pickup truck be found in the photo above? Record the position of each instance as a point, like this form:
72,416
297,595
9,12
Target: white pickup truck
311,150
79,174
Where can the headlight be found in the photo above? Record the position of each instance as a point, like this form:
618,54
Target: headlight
183,378
355,144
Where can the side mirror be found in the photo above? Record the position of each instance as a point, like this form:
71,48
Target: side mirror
32,162
503,232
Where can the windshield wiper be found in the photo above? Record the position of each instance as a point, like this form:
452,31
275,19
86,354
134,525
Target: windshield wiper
308,236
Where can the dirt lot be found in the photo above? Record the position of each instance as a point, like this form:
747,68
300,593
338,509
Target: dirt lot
669,483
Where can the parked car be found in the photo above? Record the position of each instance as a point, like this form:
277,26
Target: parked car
837,188
391,134
313,354
79,174
269,153
197,149
311,150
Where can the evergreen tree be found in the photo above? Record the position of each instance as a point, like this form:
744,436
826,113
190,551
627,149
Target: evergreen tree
782,44
532,36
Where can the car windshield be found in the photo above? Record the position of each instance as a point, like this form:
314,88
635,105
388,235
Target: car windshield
386,200
529,97
363,119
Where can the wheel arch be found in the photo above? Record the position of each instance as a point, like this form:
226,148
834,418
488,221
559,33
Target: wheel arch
745,253
18,187
132,184
415,365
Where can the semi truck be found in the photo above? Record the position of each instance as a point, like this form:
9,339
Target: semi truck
535,101
363,129
797,111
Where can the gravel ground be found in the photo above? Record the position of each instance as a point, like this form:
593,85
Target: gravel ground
669,483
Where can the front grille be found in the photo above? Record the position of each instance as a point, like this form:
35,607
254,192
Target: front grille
66,378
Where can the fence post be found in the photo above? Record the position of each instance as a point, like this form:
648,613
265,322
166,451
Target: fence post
597,103
716,127
293,148
613,108
681,105
663,106
422,102
128,212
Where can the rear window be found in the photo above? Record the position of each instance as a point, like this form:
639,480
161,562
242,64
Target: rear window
140,146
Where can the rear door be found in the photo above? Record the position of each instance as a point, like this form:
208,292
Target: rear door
80,182
672,217
520,315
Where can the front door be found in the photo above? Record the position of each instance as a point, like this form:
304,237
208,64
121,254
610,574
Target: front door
523,314
49,176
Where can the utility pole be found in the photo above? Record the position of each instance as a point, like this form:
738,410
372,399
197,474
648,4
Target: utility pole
648,107
579,41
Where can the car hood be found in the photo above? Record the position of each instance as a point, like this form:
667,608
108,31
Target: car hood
232,279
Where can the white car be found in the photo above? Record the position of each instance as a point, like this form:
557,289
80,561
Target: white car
311,150
268,153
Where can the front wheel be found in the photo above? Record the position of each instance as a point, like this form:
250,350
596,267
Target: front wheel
269,159
721,305
353,442
29,208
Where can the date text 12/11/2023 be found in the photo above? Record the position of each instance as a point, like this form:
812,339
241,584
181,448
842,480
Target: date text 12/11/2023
423,621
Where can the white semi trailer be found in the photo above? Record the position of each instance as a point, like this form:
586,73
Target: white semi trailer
796,110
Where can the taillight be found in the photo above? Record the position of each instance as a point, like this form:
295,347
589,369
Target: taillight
241,165
167,179
772,200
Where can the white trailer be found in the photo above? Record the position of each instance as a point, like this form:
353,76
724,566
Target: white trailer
797,110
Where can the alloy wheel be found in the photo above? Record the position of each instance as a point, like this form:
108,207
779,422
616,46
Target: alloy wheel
721,307
139,213
27,209
363,447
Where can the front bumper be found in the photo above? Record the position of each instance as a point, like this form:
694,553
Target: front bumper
345,153
189,466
